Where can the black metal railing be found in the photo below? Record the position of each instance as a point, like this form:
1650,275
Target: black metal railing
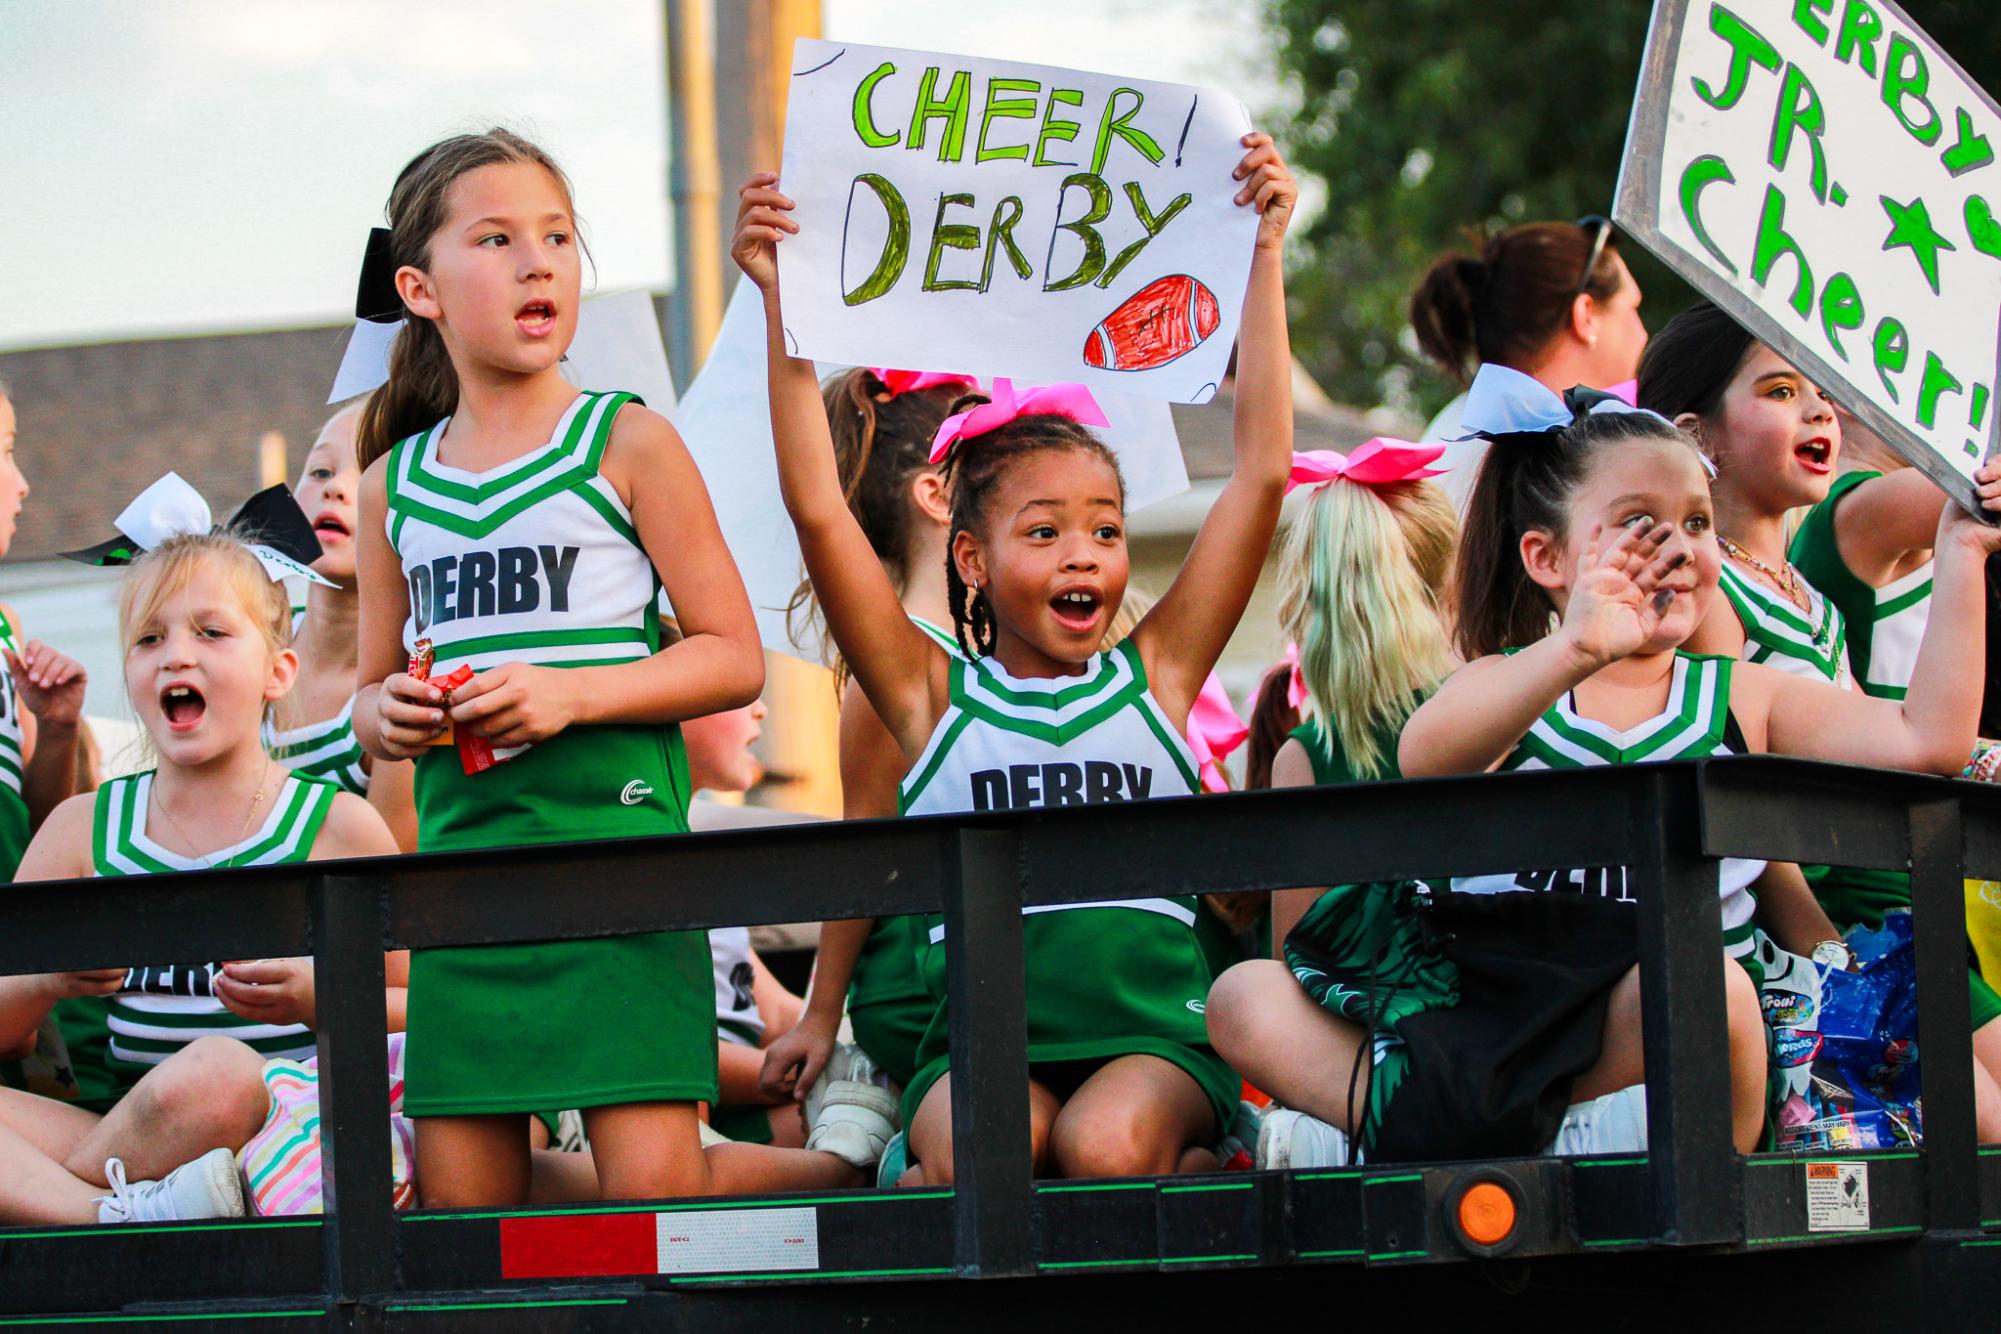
1667,824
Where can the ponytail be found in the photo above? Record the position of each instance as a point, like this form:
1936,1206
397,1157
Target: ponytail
882,440
422,386
1360,585
422,389
1441,311
1505,304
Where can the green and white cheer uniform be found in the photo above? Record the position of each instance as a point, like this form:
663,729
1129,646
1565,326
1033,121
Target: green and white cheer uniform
1696,722
164,1007
327,750
1885,625
13,806
537,561
1104,979
889,1005
1777,634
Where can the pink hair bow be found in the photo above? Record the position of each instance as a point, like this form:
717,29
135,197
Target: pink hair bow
1380,462
1062,400
909,382
1214,730
1295,684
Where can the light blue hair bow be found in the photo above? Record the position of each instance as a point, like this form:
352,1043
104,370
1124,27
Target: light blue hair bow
1505,402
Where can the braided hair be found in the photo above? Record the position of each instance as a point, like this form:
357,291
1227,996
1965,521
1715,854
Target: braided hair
975,469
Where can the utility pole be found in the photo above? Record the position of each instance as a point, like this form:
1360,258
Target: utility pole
754,66
694,182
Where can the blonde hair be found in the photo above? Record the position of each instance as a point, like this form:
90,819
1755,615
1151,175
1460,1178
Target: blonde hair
171,567
1361,581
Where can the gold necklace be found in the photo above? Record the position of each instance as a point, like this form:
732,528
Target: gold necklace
1787,580
256,800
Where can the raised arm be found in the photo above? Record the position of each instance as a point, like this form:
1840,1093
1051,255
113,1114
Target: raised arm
1883,520
1932,728
1184,634
899,667
1485,707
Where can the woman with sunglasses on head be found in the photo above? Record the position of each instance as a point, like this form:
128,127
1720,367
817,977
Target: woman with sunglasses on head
1552,300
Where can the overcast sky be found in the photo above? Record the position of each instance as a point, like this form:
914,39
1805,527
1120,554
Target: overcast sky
204,165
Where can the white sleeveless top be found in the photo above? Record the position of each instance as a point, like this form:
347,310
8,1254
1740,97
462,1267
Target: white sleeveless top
1011,743
535,561
1811,643
163,1007
1695,722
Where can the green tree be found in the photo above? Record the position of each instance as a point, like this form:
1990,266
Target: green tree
1429,117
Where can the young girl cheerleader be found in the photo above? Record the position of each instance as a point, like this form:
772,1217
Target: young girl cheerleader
882,422
1123,1080
1600,518
524,531
205,627
1777,440
318,736
41,694
1361,579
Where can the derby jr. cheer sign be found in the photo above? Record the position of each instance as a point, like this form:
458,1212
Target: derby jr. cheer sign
994,218
1824,171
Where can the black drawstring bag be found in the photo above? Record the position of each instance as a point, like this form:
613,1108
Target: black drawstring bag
1491,1076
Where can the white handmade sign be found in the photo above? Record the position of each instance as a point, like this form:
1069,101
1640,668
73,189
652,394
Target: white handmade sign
995,218
1823,171
726,419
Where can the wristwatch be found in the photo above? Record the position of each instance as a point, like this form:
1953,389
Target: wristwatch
1835,954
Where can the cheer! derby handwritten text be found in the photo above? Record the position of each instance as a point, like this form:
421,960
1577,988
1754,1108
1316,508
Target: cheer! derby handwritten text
997,218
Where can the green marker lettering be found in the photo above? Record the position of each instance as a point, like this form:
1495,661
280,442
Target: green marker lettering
1799,111
1905,77
1860,27
1774,243
896,247
1698,176
1148,220
1893,352
1054,127
951,109
956,236
1936,382
1093,262
1809,18
1840,308
864,118
1120,123
1747,48
998,108
1001,233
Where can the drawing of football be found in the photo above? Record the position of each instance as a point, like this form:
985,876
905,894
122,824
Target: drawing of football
1163,320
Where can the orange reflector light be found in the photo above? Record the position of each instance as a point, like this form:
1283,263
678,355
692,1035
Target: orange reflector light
1486,1214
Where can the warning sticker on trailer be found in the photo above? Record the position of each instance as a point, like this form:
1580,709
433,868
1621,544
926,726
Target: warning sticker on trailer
721,1241
692,1241
1837,1197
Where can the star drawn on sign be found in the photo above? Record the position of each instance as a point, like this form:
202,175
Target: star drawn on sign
1911,225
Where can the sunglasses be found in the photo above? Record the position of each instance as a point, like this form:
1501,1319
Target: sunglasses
1600,229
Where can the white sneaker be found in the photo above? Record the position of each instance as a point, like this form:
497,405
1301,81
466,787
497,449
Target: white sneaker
208,1187
850,1115
1615,1123
1289,1139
